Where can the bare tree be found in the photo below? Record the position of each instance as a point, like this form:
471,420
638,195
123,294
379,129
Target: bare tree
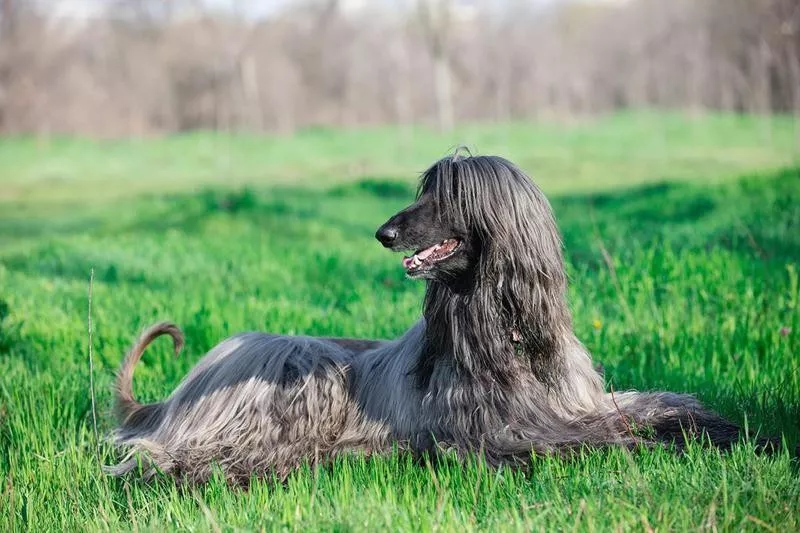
436,22
149,66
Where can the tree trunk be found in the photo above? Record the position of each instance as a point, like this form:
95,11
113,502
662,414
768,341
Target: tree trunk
443,80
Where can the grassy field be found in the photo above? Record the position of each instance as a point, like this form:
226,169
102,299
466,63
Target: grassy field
229,233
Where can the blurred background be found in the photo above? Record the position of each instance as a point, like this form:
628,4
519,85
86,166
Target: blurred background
121,68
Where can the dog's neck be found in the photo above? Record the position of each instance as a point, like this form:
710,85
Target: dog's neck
484,336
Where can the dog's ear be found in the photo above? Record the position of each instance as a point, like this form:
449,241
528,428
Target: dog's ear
533,320
521,261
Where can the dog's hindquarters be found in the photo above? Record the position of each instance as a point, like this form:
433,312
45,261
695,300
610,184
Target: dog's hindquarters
256,404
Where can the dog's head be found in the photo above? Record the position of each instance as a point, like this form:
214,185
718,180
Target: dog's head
439,239
475,216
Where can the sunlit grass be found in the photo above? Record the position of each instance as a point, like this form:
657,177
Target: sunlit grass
705,300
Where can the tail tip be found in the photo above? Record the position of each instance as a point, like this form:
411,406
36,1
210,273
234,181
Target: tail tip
171,329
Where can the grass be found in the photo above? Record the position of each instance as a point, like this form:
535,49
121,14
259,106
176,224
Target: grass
701,218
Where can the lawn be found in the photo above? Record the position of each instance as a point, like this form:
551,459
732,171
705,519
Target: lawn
699,217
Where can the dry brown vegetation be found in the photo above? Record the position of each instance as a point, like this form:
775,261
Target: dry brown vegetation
141,67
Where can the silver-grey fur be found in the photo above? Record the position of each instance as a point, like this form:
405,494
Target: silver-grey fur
492,367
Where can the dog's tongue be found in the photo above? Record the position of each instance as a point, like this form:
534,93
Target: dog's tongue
418,258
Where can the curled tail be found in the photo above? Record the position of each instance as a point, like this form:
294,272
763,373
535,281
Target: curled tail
126,404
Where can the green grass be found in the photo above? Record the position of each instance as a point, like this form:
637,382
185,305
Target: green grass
700,216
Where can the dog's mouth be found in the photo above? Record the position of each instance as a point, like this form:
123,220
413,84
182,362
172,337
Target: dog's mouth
424,259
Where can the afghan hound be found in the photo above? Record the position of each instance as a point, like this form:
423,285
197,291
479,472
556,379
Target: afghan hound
493,367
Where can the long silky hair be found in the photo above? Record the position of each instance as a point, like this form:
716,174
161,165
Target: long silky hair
515,304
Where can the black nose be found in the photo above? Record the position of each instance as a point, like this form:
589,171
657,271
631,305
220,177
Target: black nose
387,235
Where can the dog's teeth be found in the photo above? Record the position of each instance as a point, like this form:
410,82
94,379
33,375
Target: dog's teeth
416,261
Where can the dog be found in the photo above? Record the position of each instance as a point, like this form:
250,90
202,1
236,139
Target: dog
492,367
